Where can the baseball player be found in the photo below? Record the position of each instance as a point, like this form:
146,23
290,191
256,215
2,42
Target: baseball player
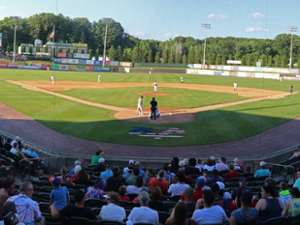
52,79
150,71
155,86
99,78
181,79
140,106
235,86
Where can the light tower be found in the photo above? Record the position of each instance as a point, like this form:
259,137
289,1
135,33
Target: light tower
205,26
292,30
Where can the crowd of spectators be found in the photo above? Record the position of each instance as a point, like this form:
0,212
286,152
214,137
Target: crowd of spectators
185,192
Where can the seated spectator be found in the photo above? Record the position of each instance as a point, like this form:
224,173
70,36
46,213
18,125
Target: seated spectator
128,170
137,188
59,198
159,181
7,189
284,193
96,157
178,188
221,165
236,195
77,210
188,200
143,214
297,182
111,211
198,193
155,199
210,165
115,182
238,164
262,171
269,205
96,191
76,166
81,177
210,214
179,216
122,194
133,175
107,173
191,170
246,214
292,209
27,209
232,173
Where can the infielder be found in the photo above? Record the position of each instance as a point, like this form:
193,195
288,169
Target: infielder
155,86
52,79
140,106
99,78
235,86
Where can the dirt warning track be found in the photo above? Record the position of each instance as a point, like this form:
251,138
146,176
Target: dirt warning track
182,115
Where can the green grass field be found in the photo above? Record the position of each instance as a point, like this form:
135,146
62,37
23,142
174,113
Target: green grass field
174,98
216,126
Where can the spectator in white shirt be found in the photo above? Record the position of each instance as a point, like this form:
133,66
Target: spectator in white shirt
221,165
143,214
210,214
28,210
178,188
111,211
210,165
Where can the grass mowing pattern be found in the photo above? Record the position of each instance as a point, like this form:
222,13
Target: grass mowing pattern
215,126
174,99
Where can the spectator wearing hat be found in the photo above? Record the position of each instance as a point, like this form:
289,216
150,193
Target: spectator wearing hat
112,211
246,214
262,171
143,214
59,197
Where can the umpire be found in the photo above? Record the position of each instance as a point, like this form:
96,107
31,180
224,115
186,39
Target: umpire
153,104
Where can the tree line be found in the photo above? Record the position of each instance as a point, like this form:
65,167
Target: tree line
125,47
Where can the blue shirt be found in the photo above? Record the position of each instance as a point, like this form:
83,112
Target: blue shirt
106,174
59,197
262,173
297,184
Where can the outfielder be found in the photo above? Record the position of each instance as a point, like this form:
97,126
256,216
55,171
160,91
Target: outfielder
140,106
99,78
52,79
235,86
181,80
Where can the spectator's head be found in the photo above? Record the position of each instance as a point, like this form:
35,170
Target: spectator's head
192,162
200,182
155,194
231,167
269,190
8,183
188,194
180,213
77,169
298,174
295,192
223,160
79,197
15,145
262,164
180,177
284,185
100,184
161,174
136,171
143,198
122,190
27,188
112,197
99,152
208,197
116,172
246,199
56,182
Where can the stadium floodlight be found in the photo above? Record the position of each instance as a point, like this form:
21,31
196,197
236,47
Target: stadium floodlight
205,26
292,30
104,49
15,42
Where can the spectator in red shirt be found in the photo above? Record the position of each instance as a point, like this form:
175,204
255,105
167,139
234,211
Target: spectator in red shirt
232,173
159,181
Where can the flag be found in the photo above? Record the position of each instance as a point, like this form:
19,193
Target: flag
52,34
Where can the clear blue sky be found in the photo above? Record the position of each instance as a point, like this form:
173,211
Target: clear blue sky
163,19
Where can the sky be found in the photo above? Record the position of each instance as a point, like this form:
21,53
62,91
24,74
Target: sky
164,19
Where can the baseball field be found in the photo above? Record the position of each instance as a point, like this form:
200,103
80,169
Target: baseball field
206,108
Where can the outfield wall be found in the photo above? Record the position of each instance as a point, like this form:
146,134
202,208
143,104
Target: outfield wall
206,72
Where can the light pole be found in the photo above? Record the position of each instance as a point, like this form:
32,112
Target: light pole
104,49
205,26
292,30
15,42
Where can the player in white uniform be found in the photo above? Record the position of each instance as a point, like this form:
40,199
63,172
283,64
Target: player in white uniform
140,106
235,86
155,86
52,79
99,78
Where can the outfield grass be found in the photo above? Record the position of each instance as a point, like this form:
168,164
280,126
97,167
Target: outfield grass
174,98
215,126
